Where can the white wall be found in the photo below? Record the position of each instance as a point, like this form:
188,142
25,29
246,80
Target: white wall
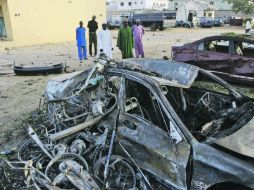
115,5
217,4
118,5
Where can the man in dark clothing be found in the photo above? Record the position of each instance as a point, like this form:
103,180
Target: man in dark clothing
93,26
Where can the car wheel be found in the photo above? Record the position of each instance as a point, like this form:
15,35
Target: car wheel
153,27
186,26
161,28
121,175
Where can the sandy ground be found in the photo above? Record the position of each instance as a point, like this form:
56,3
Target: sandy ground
19,95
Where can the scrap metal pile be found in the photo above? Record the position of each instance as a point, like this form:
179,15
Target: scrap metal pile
73,148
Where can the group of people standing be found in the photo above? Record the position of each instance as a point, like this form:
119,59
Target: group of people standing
128,38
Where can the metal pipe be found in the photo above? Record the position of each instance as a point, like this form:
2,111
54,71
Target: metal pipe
88,78
75,129
37,140
183,99
109,154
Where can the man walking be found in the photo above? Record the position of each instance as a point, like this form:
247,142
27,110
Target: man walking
105,41
93,26
81,42
138,32
248,26
125,40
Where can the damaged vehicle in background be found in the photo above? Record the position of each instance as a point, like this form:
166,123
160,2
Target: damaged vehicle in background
229,57
134,125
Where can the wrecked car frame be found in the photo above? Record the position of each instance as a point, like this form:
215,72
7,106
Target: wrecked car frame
230,57
137,126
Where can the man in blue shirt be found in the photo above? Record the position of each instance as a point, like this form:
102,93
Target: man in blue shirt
81,42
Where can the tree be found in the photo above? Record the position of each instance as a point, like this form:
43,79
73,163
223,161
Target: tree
244,6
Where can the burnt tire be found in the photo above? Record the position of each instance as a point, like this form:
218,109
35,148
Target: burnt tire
116,179
31,151
186,26
153,27
161,28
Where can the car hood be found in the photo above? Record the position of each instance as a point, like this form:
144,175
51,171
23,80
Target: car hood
61,86
242,141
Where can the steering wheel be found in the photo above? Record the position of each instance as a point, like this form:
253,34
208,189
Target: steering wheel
204,102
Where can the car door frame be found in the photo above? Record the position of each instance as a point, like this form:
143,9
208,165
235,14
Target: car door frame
241,60
122,96
203,63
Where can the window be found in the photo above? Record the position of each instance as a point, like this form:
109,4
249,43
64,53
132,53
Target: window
244,49
201,47
130,3
169,16
107,3
211,2
238,48
122,4
199,105
210,14
221,46
141,102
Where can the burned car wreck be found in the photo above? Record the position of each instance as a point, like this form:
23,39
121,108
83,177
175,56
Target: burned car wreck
134,125
229,56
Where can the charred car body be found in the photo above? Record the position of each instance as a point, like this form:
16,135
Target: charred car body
134,125
229,57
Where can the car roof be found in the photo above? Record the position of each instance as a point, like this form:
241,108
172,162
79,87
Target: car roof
230,37
163,71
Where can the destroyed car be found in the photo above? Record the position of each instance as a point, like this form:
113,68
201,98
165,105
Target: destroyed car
134,125
229,57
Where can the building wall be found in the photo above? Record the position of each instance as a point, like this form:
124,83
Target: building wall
123,5
157,4
49,21
217,4
118,5
116,9
5,14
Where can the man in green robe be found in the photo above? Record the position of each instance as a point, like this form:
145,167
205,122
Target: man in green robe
125,40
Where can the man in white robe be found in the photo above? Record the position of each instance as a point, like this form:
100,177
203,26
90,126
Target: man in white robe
105,41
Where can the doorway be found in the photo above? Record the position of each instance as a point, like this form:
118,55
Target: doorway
2,24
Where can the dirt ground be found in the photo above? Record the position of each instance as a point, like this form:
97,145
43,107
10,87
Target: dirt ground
19,95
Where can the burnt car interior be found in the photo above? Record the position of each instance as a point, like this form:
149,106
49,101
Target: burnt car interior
145,105
244,48
221,46
209,112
